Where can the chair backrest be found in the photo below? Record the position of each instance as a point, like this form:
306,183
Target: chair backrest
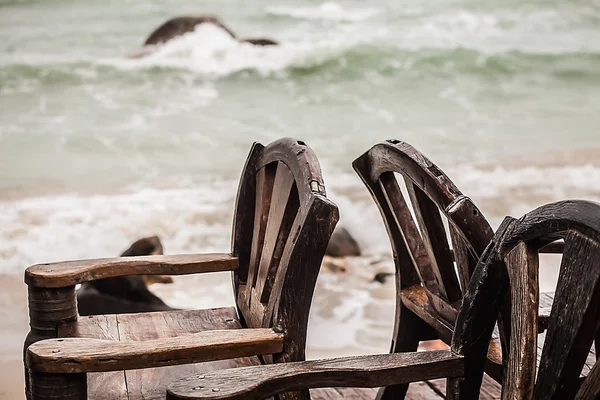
421,248
510,266
282,225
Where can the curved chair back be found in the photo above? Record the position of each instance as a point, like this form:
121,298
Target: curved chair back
434,263
282,224
540,365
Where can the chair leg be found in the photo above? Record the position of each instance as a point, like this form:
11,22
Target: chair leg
408,332
45,386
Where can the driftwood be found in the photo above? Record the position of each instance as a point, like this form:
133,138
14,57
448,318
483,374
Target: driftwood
282,224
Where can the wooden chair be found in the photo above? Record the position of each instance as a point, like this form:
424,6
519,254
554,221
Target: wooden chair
561,363
282,224
435,251
508,265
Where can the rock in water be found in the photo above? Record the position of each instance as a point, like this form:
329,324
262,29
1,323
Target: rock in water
181,25
342,244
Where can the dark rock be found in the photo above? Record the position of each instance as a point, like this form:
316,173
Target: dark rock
178,26
342,244
123,294
181,25
260,41
382,277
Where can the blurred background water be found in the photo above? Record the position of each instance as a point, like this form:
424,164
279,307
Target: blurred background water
97,150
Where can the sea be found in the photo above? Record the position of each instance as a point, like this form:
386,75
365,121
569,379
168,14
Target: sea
98,149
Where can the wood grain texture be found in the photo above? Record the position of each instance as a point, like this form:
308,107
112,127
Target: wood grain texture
574,318
436,242
590,388
62,274
104,385
150,383
81,355
364,371
523,265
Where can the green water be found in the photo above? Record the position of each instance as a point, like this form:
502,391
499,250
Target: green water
96,145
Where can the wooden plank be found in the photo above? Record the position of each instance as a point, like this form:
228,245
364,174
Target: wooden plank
282,188
264,188
410,233
150,384
363,371
416,391
465,262
436,242
523,266
590,389
573,321
101,385
82,355
490,389
343,393
68,273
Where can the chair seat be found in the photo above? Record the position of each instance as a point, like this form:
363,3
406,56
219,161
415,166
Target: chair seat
151,383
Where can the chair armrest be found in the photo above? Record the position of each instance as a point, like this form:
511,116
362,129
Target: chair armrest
69,273
82,355
262,381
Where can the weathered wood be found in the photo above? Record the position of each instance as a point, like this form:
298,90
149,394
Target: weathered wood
477,317
81,355
69,273
108,385
151,383
364,371
465,261
278,228
522,264
243,229
590,388
48,309
431,193
434,236
264,189
574,319
410,232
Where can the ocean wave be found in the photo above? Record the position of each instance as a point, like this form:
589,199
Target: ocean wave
197,217
328,11
340,60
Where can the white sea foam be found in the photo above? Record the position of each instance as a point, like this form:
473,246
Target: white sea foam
196,218
329,11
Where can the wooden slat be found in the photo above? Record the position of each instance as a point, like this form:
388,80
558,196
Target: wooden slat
522,264
465,262
101,385
285,244
264,188
343,393
364,371
416,391
80,355
410,232
282,188
590,389
436,242
573,321
70,273
150,383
